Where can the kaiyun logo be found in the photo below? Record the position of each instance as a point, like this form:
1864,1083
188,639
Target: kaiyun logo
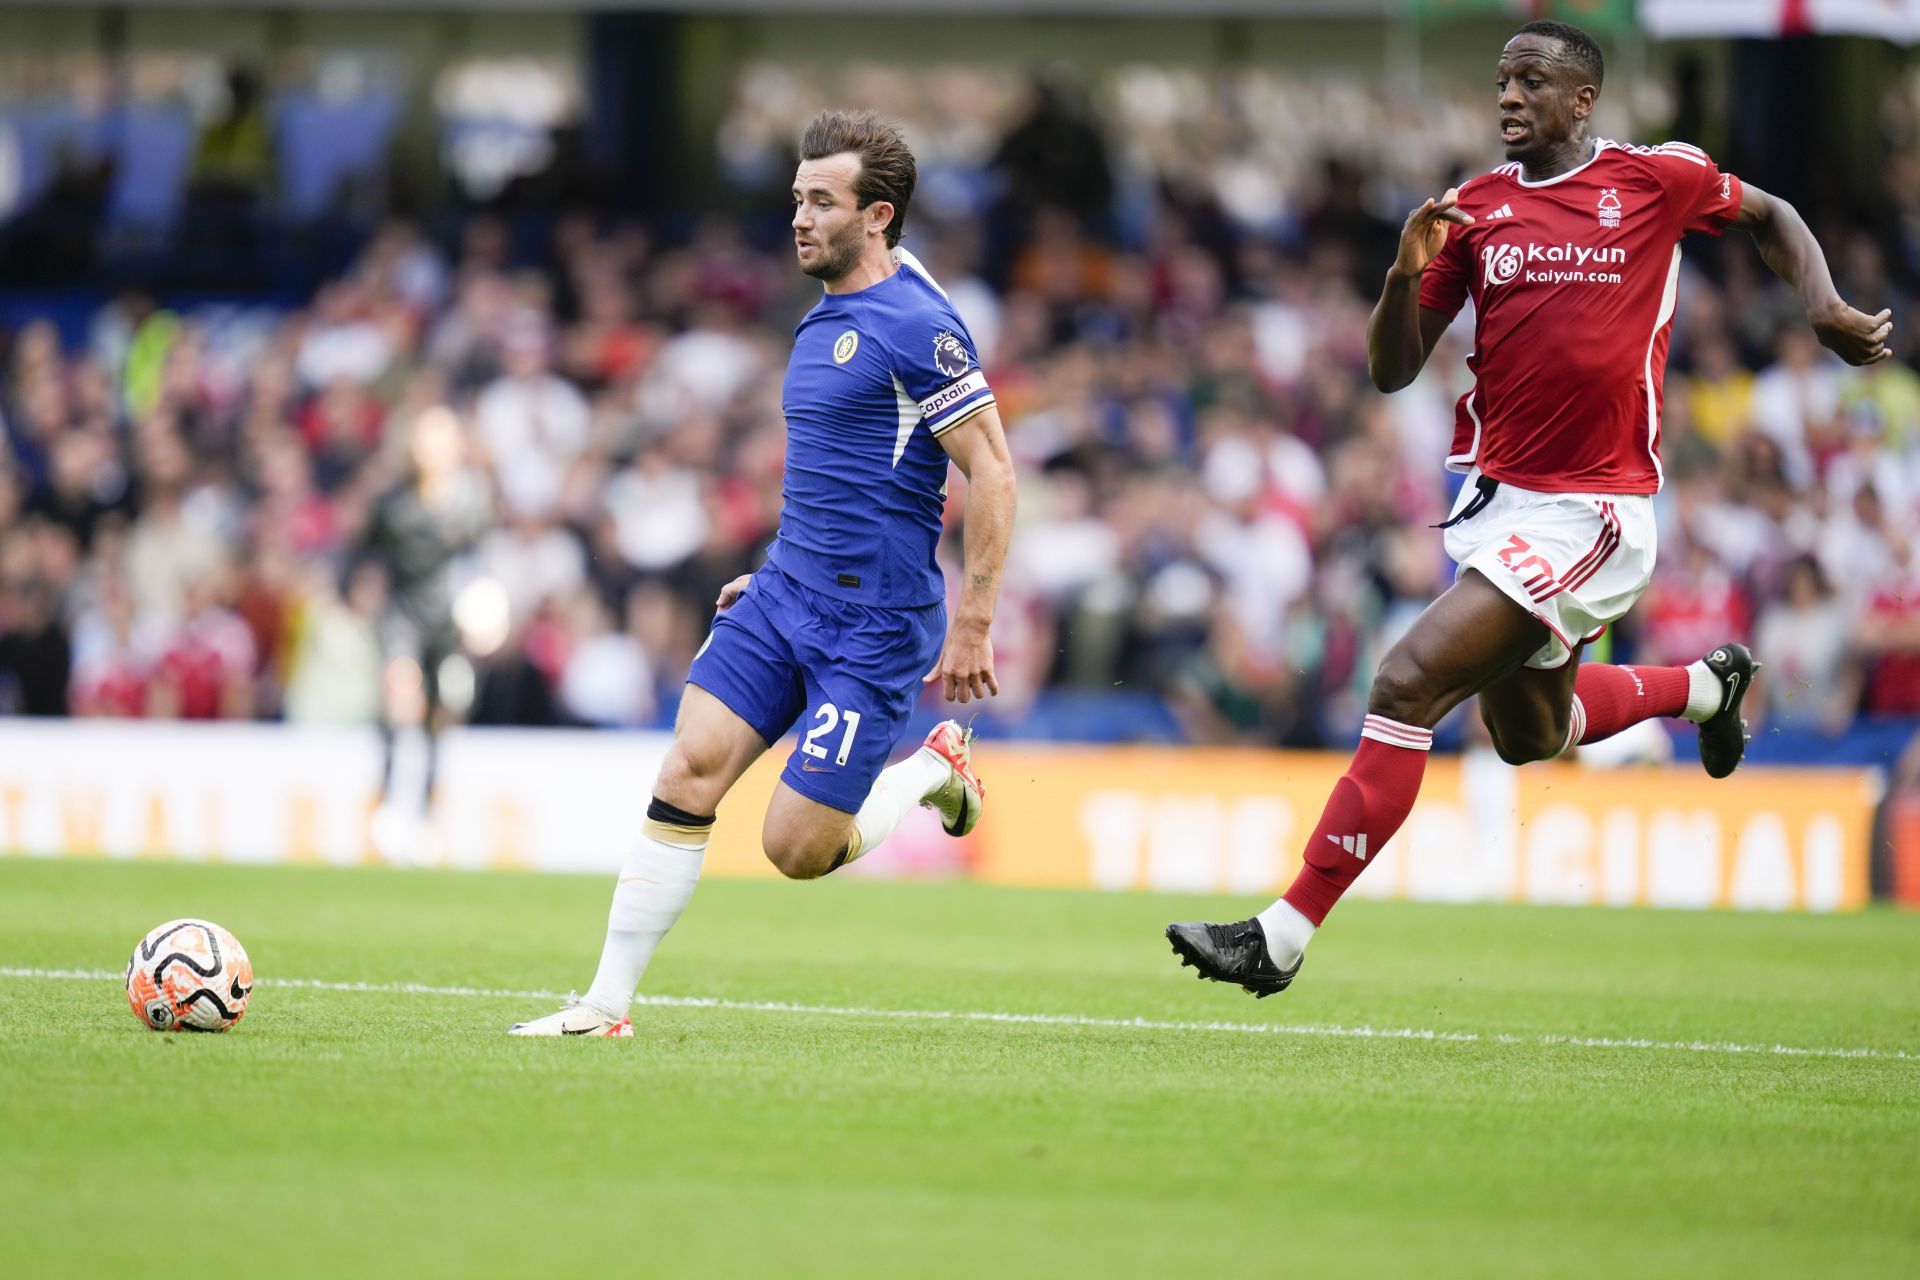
1502,262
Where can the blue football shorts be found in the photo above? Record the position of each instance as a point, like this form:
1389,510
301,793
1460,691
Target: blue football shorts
849,674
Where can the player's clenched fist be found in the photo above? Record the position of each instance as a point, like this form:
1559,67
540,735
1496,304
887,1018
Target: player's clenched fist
1426,232
1854,336
731,592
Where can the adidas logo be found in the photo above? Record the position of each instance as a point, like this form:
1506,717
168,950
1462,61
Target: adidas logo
1355,845
1504,211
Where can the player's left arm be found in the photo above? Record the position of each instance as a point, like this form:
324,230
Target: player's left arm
978,446
1789,249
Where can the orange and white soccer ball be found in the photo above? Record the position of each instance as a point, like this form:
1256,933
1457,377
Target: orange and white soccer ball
189,975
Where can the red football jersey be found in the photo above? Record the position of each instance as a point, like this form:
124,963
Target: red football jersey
1573,282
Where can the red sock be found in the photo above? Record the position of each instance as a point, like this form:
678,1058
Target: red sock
1367,806
1608,699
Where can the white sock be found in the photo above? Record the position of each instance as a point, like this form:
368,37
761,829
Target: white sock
898,789
1288,933
1705,693
654,888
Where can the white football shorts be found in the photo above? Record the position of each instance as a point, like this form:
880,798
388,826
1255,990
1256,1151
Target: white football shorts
1576,561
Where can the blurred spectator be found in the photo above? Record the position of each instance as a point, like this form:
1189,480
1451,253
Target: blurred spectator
1719,395
205,666
657,514
1890,637
1861,544
169,549
226,181
1231,692
1880,411
334,670
532,422
1811,679
113,657
1796,402
1690,609
1055,158
534,559
84,483
607,679
34,653
347,341
235,145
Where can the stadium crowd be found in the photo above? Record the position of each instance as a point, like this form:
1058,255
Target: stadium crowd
1215,506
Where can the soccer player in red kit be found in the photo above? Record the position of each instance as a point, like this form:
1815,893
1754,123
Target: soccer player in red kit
1571,254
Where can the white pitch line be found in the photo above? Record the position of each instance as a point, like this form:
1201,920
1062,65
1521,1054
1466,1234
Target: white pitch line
1047,1019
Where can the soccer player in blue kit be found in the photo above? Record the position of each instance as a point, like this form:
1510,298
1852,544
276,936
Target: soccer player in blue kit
846,621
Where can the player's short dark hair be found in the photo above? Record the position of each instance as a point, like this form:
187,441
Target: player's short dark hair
1582,49
887,171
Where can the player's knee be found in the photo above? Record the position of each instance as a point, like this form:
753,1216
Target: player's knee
1510,750
1400,690
701,761
799,859
692,767
1525,744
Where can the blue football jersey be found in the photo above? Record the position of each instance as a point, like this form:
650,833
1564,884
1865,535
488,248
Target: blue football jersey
876,376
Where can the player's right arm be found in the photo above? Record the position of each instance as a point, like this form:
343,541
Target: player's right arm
1790,251
1401,333
978,446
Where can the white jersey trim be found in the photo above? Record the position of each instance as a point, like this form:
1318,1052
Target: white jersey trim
1660,321
909,411
1680,150
1600,147
902,258
1465,461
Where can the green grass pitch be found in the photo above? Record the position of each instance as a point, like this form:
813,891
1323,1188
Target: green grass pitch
361,1133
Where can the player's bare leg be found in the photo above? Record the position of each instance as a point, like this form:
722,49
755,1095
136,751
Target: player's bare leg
711,748
803,838
1529,713
1472,636
1474,639
1537,715
806,839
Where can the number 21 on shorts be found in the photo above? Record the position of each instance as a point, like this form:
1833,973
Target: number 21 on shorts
827,718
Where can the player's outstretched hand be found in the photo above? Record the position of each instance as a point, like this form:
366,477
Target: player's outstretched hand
1854,336
1425,233
731,592
965,670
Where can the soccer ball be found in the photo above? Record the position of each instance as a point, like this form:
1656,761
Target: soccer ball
189,975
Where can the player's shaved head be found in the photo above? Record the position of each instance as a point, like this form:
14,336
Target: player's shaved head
1549,76
1580,50
887,170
